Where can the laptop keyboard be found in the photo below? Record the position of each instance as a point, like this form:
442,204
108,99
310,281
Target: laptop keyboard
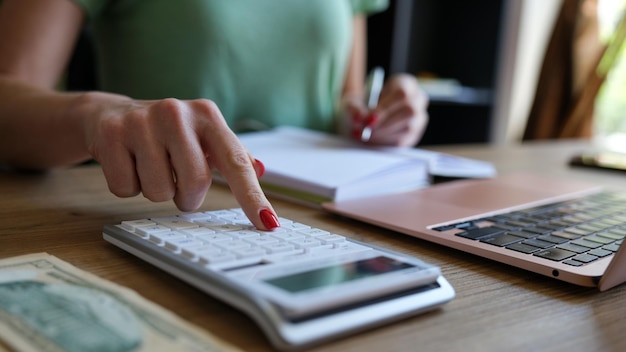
576,232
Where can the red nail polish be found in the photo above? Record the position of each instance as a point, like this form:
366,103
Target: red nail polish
259,168
269,219
371,120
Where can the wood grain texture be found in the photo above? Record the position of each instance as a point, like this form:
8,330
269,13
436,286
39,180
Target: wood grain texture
497,307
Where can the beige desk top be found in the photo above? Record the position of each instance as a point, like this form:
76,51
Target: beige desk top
497,308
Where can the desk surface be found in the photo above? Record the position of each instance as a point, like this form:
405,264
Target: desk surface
497,307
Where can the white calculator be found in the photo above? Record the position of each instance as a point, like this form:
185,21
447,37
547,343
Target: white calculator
302,285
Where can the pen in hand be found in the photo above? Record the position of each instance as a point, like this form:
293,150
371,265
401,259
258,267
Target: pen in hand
373,86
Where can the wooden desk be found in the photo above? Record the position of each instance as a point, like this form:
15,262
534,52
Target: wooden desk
497,308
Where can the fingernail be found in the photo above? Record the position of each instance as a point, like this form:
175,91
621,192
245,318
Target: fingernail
269,219
259,168
371,119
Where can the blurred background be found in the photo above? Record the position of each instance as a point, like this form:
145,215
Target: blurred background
508,71
496,71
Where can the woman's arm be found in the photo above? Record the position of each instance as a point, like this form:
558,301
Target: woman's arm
164,149
37,40
355,76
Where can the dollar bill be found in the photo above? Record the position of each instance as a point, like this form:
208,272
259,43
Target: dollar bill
47,304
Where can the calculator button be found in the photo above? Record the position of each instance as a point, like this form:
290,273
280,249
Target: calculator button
177,244
244,233
153,229
195,216
197,231
134,224
232,245
215,237
142,235
243,221
290,225
225,227
205,249
261,240
320,250
249,252
331,238
210,223
287,235
314,232
175,223
279,247
223,213
305,242
160,237
192,252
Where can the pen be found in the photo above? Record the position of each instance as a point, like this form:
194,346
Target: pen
373,86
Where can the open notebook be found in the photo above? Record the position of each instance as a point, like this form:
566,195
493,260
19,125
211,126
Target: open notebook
559,228
313,167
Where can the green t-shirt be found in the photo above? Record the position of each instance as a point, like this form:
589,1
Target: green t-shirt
273,62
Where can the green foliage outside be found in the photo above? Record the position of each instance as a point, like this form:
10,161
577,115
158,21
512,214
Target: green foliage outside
610,108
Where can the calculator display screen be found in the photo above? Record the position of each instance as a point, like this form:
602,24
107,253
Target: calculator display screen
337,274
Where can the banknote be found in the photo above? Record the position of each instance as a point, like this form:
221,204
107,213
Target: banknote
47,304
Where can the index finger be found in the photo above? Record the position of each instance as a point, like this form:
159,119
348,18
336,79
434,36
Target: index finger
226,153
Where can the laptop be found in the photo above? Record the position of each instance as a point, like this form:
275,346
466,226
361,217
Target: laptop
528,221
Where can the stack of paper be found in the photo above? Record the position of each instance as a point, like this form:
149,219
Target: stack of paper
312,167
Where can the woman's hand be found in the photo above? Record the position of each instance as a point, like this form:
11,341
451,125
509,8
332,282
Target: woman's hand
400,117
166,150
